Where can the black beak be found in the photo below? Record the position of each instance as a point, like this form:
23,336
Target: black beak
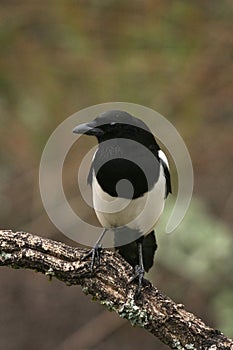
88,129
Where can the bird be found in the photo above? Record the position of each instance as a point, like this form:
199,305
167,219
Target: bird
130,172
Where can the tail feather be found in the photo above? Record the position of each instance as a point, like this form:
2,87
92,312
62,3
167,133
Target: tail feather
130,251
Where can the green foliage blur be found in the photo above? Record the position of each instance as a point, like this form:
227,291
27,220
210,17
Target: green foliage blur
59,57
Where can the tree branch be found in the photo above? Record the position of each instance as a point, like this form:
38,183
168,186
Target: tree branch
153,311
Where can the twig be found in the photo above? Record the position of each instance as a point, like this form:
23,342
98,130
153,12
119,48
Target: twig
153,311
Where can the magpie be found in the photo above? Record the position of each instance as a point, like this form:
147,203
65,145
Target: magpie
130,172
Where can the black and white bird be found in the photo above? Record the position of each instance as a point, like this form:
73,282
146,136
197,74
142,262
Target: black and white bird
130,181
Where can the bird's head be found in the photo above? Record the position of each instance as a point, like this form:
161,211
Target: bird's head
115,124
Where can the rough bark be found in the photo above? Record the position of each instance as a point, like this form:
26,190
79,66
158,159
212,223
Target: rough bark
153,310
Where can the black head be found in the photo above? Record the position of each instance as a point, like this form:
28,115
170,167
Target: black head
116,124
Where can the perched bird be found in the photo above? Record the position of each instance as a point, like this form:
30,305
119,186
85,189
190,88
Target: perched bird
131,173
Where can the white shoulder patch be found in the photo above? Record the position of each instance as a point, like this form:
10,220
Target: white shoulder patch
163,157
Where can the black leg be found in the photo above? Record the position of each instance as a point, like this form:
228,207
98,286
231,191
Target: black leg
139,269
95,252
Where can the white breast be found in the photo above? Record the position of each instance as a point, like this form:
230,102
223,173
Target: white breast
141,213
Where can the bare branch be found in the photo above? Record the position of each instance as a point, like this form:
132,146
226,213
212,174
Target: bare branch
153,311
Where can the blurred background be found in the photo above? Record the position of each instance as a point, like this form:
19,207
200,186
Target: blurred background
60,57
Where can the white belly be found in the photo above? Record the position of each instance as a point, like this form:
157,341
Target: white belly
138,214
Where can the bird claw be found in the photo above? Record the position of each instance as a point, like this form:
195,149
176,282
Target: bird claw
95,257
139,274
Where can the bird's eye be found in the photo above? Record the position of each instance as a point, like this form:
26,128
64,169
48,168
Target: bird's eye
112,123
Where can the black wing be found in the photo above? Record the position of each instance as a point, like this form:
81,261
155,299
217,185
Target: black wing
167,177
90,175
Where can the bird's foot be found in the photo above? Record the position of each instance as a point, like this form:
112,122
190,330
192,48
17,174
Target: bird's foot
139,275
95,254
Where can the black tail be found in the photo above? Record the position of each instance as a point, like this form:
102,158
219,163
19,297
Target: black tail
130,251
